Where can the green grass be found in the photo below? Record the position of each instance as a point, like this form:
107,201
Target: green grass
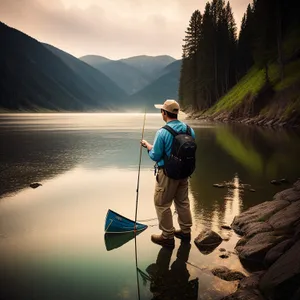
291,75
293,106
250,84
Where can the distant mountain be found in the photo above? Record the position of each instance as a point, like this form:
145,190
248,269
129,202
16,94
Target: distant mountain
172,67
34,78
125,76
164,87
131,74
93,77
149,65
95,60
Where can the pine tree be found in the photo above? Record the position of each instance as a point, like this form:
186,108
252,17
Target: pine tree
189,72
245,42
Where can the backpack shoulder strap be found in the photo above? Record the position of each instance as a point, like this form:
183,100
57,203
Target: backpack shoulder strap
170,129
188,130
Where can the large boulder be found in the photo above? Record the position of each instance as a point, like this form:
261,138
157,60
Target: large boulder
252,229
297,185
245,295
259,213
277,251
252,281
286,218
292,194
282,279
257,247
248,289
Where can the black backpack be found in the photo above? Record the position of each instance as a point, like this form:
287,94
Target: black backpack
182,161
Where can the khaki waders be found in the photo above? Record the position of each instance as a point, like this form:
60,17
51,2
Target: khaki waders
167,190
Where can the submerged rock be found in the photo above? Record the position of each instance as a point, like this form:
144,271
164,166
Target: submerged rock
227,227
219,185
275,182
227,274
34,185
283,180
225,255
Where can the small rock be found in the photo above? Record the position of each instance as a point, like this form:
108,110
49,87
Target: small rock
227,274
34,185
283,180
226,227
218,185
275,182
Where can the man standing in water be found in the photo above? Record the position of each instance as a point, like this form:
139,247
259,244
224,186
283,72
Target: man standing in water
166,188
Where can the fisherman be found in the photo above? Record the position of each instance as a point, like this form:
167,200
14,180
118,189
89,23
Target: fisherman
167,189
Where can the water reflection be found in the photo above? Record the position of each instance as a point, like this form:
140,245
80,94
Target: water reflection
27,157
116,240
257,155
233,201
53,235
172,282
261,151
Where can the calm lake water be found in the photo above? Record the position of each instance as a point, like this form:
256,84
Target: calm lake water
52,243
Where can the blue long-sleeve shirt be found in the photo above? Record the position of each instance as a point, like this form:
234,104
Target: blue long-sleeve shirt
163,141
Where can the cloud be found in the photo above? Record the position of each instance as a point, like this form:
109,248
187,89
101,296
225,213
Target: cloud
114,29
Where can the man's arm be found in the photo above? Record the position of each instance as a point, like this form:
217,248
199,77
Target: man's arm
146,144
156,150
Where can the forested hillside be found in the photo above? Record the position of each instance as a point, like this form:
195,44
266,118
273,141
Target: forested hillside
251,74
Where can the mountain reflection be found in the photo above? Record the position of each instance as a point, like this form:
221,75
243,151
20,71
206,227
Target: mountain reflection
36,156
30,157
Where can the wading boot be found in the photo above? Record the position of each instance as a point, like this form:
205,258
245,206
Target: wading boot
183,236
160,240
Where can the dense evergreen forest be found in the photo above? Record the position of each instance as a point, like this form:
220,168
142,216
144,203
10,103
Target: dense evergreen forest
216,57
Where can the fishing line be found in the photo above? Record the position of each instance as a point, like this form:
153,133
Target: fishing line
153,219
138,179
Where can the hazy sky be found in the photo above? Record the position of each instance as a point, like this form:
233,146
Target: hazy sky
111,28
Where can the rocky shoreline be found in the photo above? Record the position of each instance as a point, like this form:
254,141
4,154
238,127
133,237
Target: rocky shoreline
264,121
270,248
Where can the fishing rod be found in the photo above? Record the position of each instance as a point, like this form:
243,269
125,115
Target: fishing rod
138,179
136,268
